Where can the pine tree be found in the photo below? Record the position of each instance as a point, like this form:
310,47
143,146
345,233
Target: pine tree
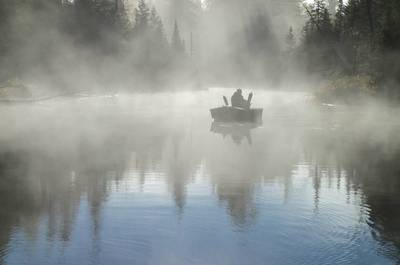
157,30
121,20
389,35
326,27
318,36
351,18
319,6
177,43
290,41
368,31
142,18
370,16
333,4
187,12
319,26
93,18
6,8
339,20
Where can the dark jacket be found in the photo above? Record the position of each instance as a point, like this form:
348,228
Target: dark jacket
237,100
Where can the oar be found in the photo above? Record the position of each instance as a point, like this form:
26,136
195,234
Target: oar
226,101
250,97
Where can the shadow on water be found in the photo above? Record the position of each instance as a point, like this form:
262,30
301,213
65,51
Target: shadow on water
46,179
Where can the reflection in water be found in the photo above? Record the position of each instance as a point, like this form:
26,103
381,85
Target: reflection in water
236,131
238,197
100,189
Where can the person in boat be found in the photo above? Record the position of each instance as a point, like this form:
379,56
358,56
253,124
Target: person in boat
238,101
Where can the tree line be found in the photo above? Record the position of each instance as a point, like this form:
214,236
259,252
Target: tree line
357,37
59,40
69,42
81,40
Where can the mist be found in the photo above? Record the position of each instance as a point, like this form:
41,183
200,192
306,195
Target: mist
199,132
121,45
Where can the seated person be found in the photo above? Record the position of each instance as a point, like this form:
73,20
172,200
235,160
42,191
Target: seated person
238,101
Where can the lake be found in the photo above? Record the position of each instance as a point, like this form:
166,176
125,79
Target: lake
149,179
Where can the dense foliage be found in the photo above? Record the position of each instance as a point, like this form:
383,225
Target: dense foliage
362,38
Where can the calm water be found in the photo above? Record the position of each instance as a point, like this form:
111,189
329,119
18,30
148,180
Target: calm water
147,179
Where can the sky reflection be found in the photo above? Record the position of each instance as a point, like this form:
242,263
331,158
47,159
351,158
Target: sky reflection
122,188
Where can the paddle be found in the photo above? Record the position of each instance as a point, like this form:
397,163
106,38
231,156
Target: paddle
249,98
226,101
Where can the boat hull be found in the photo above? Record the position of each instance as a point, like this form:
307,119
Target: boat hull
232,114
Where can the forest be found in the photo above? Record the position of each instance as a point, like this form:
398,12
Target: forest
361,39
158,45
84,42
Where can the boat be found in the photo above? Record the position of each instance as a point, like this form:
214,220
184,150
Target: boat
235,114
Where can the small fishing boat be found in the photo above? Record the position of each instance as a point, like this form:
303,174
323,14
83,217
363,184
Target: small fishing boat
235,114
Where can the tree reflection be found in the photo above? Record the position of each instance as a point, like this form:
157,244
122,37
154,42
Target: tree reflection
50,184
38,185
378,176
239,200
370,168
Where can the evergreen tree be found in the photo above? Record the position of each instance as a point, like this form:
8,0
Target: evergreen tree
326,27
122,23
142,18
369,14
177,43
367,30
6,40
339,19
318,38
157,30
390,29
187,12
290,40
333,4
92,19
6,8
351,18
318,28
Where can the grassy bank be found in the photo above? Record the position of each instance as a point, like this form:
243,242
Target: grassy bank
347,90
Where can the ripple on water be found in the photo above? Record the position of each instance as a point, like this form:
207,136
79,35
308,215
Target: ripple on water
186,196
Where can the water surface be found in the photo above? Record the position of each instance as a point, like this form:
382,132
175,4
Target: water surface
147,179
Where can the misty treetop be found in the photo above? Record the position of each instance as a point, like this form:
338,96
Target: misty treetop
177,43
362,37
132,42
65,42
70,43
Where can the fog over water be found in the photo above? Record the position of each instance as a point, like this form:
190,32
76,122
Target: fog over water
109,154
148,179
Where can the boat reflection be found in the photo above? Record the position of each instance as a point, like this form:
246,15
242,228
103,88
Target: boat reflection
236,131
124,189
